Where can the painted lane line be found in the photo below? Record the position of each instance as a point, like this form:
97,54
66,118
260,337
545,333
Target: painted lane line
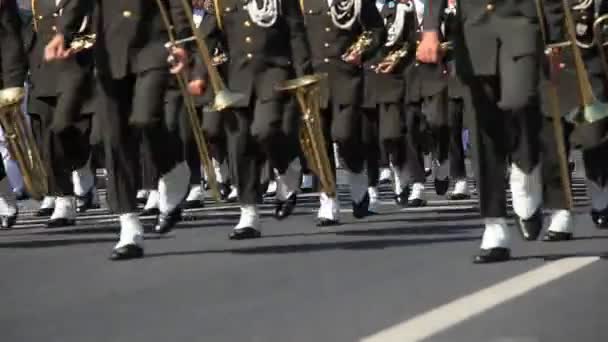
446,316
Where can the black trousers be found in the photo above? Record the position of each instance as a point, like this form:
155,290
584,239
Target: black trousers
215,132
436,112
132,109
370,125
64,151
596,157
506,124
255,134
397,138
553,194
342,125
418,141
456,148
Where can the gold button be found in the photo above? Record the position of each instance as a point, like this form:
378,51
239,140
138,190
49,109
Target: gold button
489,7
40,17
326,45
127,14
326,60
54,28
327,29
309,11
247,23
249,55
228,9
248,39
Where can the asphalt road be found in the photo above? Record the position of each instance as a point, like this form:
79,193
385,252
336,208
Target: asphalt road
404,275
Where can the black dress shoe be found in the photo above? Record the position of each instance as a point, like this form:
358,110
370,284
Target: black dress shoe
427,172
60,222
7,221
416,203
458,197
361,209
84,203
284,209
43,212
166,222
150,212
193,204
127,252
401,199
557,236
600,218
531,228
441,186
324,222
224,191
245,233
486,256
22,196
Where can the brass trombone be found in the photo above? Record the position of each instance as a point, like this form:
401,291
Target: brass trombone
307,90
589,102
21,144
223,97
220,103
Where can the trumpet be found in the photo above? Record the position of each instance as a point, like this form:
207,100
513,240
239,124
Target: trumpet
83,42
314,146
219,57
364,41
21,143
392,60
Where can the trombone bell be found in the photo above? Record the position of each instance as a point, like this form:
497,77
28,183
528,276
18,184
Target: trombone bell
21,143
223,100
594,112
300,82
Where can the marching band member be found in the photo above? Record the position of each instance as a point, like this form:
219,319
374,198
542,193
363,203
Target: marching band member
60,107
333,27
213,122
385,89
267,45
133,77
13,69
594,137
455,111
426,92
504,92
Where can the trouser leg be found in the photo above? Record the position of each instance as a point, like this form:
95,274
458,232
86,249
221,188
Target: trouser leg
414,139
456,149
69,150
371,141
553,193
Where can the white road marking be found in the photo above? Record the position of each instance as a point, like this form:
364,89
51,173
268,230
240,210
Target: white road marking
446,316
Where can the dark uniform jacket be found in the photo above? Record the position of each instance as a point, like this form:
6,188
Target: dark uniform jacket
13,65
68,84
390,88
260,58
133,34
329,43
477,50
